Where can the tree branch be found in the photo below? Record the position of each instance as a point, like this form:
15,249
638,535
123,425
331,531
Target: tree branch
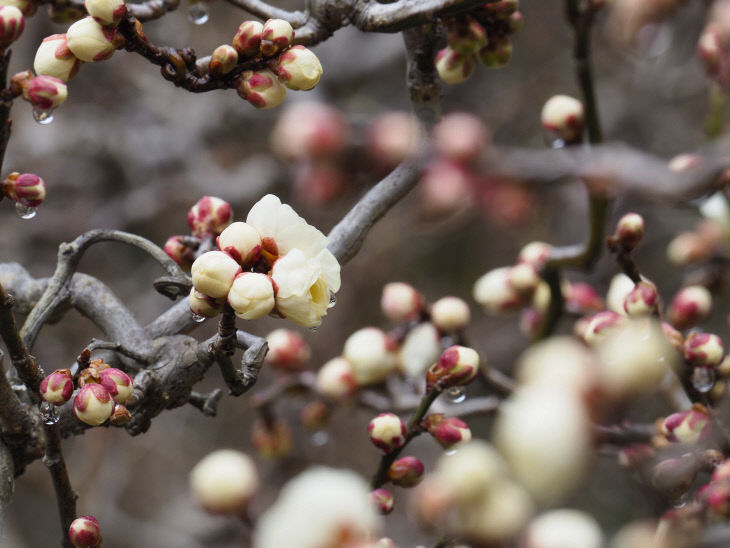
7,483
65,495
372,16
265,11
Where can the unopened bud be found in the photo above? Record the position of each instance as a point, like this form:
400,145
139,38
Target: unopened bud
406,472
691,426
523,278
690,306
387,432
454,67
447,431
252,295
288,351
383,501
370,352
272,439
213,273
643,300
673,477
688,248
703,349
179,252
535,254
222,61
563,528
629,231
89,41
57,387
118,383
224,482
12,24
393,137
203,305
401,302
26,189
276,35
261,88
564,117
581,298
242,242
495,293
299,68
54,58
27,7
209,216
106,12
307,130
461,137
450,314
467,38
93,404
457,366
600,324
247,41
45,92
336,379
84,532
120,415
497,54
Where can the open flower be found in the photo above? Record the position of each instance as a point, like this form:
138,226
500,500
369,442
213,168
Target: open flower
303,294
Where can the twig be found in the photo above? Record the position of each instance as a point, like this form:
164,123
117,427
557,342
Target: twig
65,495
96,344
266,11
152,9
373,16
207,403
253,356
223,348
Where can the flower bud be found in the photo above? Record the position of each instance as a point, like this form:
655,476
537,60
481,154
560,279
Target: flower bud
224,482
252,295
106,12
600,324
213,273
392,138
581,298
247,41
26,189
467,38
288,351
179,252
336,379
523,278
446,188
202,305
629,231
26,7
689,248
309,129
401,302
261,88
420,348
54,58
45,92
497,54
690,306
222,61
460,137
673,477
691,426
472,470
387,432
315,415
564,117
383,501
93,404
535,254
241,241
495,293
370,352
457,366
12,24
57,387
89,41
643,300
703,349
558,361
209,216
118,383
563,528
272,439
298,68
447,431
120,415
454,67
450,314
620,286
276,35
84,532
406,472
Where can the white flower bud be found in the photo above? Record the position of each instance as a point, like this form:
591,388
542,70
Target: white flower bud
370,352
336,379
12,24
209,216
288,351
213,273
89,41
457,366
224,482
106,12
93,404
564,117
261,88
630,230
401,302
222,60
621,285
241,241
498,516
643,300
276,35
298,68
247,40
420,349
251,295
494,292
454,67
202,305
472,470
558,361
26,7
535,254
57,387
563,528
703,349
450,314
387,431
54,58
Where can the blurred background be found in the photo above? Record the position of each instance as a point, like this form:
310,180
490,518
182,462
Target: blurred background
130,151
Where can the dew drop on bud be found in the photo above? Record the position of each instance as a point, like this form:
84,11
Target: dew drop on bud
703,379
456,394
48,413
198,13
320,438
197,318
43,116
333,300
24,211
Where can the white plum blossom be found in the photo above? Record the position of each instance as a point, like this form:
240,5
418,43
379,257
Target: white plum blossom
303,295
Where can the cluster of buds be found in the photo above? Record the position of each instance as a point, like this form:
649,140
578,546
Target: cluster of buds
84,532
484,35
447,431
507,289
25,189
224,482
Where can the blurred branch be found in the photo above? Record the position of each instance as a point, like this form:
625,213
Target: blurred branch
152,9
65,495
7,483
372,16
265,11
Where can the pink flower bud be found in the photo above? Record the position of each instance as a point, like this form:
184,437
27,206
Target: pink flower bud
120,415
106,12
224,482
447,431
118,383
203,305
27,189
690,306
336,379
516,21
497,54
393,137
406,472
457,366
252,295
446,187
93,404
454,67
703,349
450,314
581,298
461,137
688,248
89,41
716,496
242,242
564,117
691,426
272,440
401,302
57,387
298,68
495,293
54,58
276,35
629,230
535,254
383,501
370,352
722,471
387,432
309,130
84,532
209,216
247,41
673,477
222,61
643,300
182,254
213,273
288,351
45,92
12,24
467,37
261,88
600,324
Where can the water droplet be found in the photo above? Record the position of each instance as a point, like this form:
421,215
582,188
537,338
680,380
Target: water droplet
43,116
450,452
456,394
198,13
320,438
314,328
333,300
197,318
553,140
703,379
24,211
48,461
48,413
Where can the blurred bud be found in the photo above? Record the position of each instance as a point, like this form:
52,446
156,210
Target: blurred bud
12,24
93,404
224,482
457,366
247,41
673,477
581,298
683,162
84,532
716,496
383,501
420,348
629,231
635,455
288,351
640,534
621,285
89,41
691,426
276,35
467,37
222,61
26,189
497,53
495,293
643,300
516,21
563,528
401,302
432,501
387,432
447,431
261,88
600,324
272,439
252,295
202,305
209,216
241,241
690,306
57,387
563,117
461,137
45,92
120,415
523,278
454,67
182,254
299,68
106,12
560,361
213,273
320,182
674,337
26,7
309,130
370,352
450,314
535,254
315,414
406,472
393,137
446,187
336,379
703,349
117,383
471,471
688,248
